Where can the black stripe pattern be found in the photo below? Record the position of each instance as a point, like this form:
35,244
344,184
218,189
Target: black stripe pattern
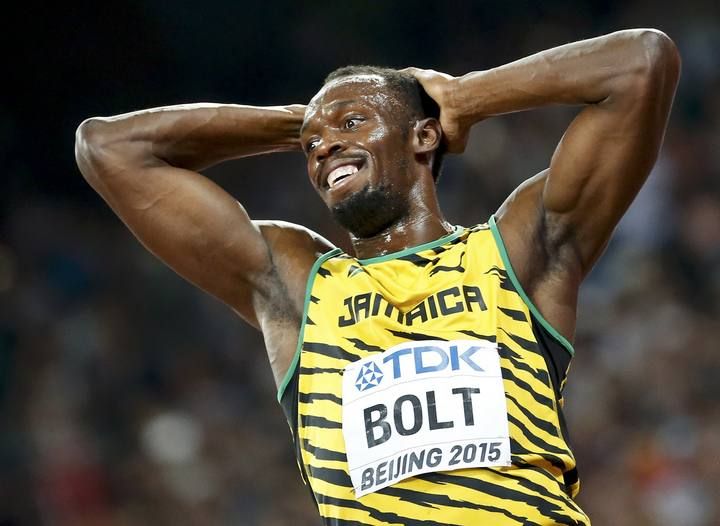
536,489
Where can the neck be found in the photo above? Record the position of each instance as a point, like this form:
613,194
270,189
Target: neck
407,232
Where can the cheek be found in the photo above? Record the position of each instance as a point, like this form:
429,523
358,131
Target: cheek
388,144
378,135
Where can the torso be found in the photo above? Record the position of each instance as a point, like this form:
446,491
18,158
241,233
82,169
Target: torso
553,287
359,309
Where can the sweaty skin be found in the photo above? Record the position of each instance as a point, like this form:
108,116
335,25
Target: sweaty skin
555,225
348,121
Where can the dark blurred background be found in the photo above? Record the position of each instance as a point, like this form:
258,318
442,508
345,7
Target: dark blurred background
129,398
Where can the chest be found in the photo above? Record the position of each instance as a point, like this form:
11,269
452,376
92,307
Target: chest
454,291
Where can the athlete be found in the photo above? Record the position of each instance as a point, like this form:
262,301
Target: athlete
422,374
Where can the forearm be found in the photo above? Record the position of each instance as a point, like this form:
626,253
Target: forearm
192,136
586,72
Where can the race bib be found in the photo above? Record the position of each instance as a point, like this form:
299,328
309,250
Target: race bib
421,407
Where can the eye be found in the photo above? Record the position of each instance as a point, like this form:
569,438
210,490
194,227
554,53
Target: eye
311,145
351,123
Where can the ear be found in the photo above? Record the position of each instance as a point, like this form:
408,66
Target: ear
427,135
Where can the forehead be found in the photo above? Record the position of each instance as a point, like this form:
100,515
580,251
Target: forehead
368,89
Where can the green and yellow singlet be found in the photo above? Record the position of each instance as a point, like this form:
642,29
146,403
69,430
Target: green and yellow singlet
426,390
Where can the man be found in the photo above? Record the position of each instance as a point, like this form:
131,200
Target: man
422,376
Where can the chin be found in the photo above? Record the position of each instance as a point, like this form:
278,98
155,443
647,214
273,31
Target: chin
370,211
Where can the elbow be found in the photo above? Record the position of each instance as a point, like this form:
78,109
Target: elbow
90,142
659,60
104,147
662,53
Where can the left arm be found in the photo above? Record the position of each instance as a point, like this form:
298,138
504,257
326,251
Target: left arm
626,80
557,224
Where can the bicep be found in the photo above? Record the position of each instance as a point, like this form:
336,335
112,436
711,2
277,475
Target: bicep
601,163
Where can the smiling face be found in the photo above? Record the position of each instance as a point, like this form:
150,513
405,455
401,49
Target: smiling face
358,143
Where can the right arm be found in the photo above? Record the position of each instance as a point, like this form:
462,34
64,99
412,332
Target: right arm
145,165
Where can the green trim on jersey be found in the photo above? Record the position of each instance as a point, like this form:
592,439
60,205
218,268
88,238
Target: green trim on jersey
308,288
511,273
458,290
412,250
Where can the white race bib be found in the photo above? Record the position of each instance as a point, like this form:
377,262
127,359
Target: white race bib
421,407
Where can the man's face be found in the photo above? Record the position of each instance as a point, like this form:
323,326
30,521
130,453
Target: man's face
358,150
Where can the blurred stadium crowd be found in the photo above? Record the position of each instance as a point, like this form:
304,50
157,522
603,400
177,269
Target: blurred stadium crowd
129,398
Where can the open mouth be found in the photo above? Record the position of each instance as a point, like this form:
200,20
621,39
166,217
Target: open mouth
342,174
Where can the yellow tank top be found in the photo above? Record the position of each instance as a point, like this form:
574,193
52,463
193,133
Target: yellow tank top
459,288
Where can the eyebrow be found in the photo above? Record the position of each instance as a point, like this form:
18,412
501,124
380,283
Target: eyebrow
341,103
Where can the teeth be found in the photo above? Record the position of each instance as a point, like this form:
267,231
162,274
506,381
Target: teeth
339,172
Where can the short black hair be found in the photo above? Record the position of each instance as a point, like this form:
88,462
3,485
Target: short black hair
417,102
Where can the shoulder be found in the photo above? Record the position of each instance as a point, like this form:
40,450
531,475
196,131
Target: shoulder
280,288
524,200
519,221
537,238
292,245
283,235
544,264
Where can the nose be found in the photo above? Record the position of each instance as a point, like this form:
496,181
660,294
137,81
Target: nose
327,148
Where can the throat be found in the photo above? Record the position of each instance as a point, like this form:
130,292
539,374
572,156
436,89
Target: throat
402,235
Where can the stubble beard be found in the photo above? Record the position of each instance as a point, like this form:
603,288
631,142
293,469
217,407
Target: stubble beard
370,211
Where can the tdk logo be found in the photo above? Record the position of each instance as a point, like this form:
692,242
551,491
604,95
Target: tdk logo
416,361
370,376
